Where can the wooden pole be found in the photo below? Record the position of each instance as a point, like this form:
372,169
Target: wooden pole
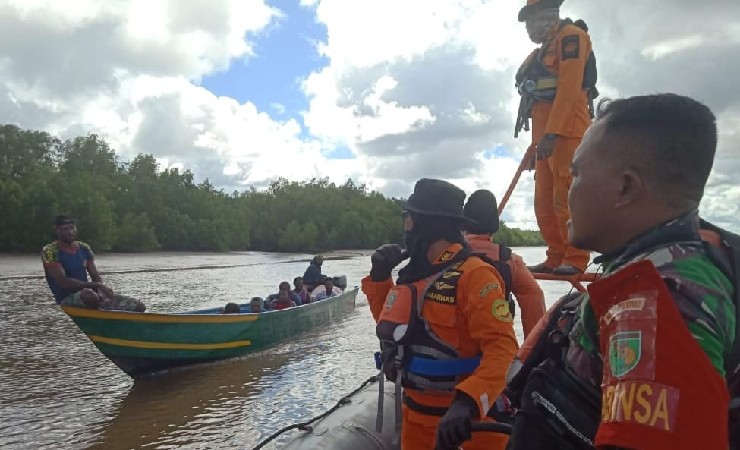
524,164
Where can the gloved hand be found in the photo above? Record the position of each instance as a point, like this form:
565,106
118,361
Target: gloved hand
456,426
384,259
546,146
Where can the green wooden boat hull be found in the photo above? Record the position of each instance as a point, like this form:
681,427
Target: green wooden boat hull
142,343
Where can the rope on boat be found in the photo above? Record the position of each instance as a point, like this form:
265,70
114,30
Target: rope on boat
306,426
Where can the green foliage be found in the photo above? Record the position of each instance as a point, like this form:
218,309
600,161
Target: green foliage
136,234
514,237
136,207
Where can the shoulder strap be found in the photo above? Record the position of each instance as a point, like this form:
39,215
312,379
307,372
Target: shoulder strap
729,263
504,253
590,73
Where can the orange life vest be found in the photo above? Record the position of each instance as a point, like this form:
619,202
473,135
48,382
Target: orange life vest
412,353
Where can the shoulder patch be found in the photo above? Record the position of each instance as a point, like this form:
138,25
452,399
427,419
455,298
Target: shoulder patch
500,310
625,352
570,47
50,253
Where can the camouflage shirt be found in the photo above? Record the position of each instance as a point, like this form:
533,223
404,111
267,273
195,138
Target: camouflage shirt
703,295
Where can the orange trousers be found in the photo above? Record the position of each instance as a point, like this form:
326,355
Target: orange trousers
416,435
552,182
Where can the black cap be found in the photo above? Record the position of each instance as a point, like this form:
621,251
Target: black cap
483,209
63,220
436,198
533,6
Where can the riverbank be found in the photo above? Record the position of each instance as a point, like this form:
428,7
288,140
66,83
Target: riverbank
28,265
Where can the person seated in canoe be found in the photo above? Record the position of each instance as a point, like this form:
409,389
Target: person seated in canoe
282,301
67,263
325,291
285,286
313,277
231,308
301,291
255,305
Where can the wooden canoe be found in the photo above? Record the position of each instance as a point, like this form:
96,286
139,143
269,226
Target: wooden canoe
143,343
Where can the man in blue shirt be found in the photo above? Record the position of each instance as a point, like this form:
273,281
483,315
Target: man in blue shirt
67,263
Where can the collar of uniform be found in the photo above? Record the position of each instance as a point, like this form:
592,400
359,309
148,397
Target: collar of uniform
448,253
681,228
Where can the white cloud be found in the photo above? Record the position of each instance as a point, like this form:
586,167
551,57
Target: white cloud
412,89
663,49
458,63
128,71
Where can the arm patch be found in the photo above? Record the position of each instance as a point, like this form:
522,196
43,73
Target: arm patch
50,254
570,47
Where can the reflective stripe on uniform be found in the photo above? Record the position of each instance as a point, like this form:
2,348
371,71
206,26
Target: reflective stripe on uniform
546,83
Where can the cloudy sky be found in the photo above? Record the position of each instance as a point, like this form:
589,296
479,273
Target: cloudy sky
383,92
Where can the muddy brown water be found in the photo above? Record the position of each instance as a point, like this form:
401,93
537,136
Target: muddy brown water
58,391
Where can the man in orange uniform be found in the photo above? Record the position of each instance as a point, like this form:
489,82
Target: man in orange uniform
445,327
557,83
483,209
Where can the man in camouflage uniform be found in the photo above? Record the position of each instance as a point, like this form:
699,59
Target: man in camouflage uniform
608,370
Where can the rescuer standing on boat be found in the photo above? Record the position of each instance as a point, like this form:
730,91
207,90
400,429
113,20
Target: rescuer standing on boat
445,327
642,361
557,86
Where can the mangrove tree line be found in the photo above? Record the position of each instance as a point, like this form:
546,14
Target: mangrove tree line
134,206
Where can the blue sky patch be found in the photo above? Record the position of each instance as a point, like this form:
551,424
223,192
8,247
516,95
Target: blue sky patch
340,152
284,54
499,152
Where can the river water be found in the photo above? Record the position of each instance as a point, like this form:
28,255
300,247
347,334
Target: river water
58,391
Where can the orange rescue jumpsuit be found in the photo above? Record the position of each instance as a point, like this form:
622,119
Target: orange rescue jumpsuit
567,50
482,330
528,293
